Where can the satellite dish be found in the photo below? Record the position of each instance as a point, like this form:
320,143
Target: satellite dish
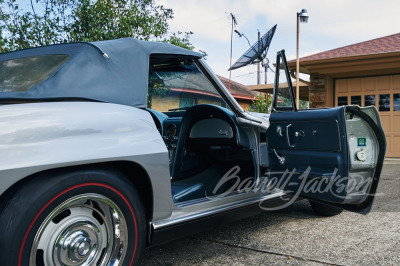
254,54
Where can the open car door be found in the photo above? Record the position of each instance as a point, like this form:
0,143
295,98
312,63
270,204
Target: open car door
331,155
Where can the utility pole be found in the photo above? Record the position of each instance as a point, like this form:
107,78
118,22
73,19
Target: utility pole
266,82
266,68
297,63
258,64
301,17
234,23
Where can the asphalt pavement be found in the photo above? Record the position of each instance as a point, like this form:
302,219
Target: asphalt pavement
296,236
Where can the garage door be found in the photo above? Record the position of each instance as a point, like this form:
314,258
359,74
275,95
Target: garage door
381,91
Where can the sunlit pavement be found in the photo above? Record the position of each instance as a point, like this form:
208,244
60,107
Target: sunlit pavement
297,236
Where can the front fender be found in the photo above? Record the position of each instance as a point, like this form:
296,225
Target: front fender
39,136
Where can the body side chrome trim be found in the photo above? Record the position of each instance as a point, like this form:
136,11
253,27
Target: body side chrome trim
165,223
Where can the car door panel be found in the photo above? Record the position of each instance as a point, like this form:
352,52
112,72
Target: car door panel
331,155
320,148
307,130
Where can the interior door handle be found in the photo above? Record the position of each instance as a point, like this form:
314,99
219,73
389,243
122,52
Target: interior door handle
281,159
287,136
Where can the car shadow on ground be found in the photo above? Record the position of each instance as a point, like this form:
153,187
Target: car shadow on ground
198,247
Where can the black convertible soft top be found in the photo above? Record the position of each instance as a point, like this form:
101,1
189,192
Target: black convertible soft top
114,71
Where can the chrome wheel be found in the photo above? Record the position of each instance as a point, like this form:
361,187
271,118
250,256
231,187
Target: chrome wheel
88,229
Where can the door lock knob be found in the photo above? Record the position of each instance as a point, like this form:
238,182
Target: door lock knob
299,133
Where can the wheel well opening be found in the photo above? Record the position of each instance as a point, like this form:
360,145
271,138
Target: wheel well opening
135,173
141,181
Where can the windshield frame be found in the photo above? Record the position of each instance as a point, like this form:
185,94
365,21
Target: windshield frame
219,86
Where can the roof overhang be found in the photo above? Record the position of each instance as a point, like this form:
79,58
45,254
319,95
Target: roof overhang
242,97
382,63
269,88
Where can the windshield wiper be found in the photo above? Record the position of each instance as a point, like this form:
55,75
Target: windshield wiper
180,109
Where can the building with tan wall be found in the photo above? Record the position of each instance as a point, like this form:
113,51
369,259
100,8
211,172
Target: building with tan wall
182,97
365,73
240,92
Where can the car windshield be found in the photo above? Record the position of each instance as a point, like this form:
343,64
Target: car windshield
177,84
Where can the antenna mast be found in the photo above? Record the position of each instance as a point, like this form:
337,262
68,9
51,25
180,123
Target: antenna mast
258,64
234,23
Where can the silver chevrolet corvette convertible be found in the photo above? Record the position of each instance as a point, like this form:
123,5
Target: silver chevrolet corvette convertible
108,147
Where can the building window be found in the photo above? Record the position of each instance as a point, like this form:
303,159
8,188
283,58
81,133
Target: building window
356,100
384,102
369,100
396,102
186,102
342,100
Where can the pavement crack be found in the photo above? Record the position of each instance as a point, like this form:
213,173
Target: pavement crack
262,251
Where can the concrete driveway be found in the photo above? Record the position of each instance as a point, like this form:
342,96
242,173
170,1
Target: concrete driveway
297,236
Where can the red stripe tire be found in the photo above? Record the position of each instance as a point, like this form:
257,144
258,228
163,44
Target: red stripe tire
74,217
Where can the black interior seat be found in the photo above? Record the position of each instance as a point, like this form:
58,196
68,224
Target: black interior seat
191,116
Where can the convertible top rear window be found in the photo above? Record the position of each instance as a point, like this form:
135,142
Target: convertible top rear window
21,74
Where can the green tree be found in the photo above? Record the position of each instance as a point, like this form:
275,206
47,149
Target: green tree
46,22
261,103
182,41
112,19
28,28
304,104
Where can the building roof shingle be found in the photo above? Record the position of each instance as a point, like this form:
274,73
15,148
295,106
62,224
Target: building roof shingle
385,44
237,89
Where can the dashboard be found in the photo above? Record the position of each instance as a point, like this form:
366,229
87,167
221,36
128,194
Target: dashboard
204,125
211,127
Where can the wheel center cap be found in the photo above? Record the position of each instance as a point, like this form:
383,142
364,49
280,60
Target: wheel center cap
83,248
77,244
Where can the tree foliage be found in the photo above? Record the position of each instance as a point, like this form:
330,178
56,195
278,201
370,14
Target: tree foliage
112,19
156,90
43,22
182,39
261,103
304,104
